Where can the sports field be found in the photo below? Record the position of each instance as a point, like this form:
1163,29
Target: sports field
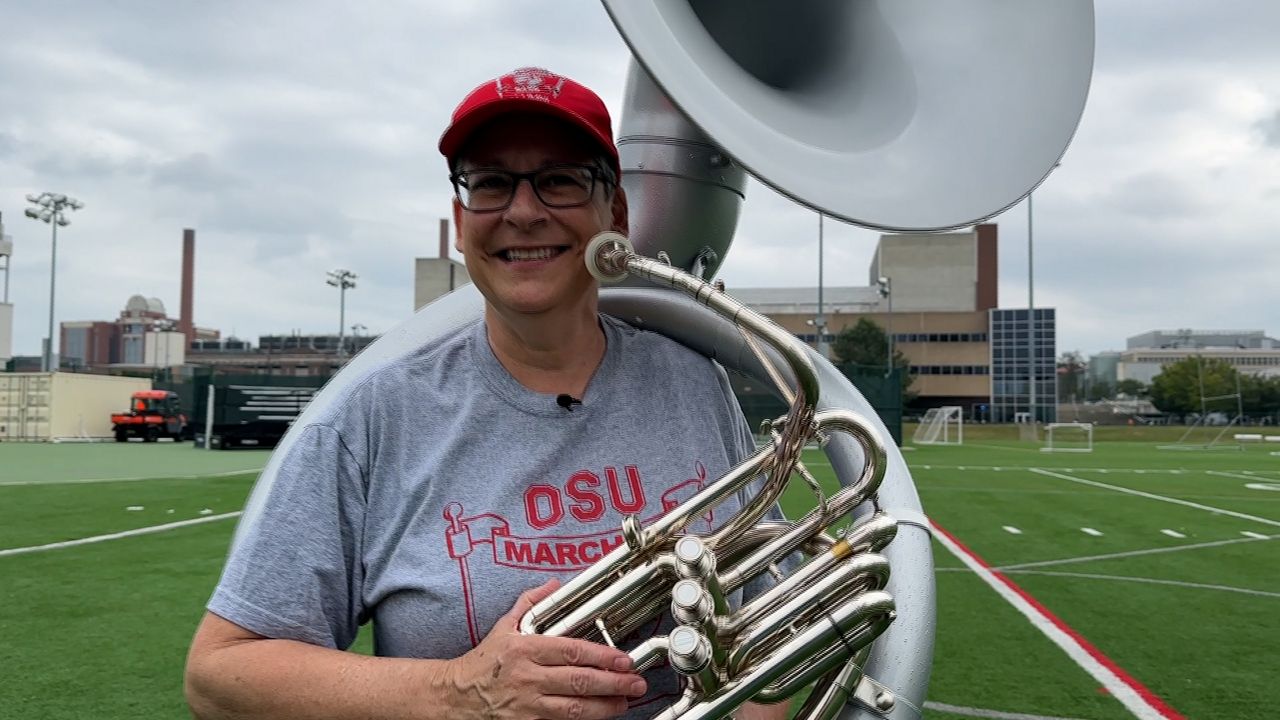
1126,582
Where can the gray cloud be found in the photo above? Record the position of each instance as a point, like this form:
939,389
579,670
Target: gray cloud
1270,129
299,137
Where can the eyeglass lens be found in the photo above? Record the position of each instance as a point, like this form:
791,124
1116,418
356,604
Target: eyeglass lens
555,187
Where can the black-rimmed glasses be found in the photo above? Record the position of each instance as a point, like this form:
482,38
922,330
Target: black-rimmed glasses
558,186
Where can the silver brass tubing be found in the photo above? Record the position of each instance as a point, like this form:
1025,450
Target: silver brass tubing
838,505
815,569
832,691
796,431
648,653
792,659
633,585
872,534
829,591
621,559
827,658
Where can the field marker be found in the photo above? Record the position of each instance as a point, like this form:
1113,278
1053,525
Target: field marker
1129,553
1091,531
117,536
1250,533
1263,486
1162,498
1012,530
80,481
1172,533
984,713
1140,701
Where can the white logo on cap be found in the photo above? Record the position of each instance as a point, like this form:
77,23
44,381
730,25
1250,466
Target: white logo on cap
531,81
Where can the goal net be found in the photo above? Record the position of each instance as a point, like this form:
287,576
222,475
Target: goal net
1068,437
941,426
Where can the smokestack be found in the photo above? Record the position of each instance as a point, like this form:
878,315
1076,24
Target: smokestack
186,324
444,238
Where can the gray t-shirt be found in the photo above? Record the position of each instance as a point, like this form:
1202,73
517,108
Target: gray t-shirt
438,488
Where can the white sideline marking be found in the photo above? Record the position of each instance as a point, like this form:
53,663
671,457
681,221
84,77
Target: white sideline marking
1162,498
1172,533
984,713
1091,531
1250,533
1136,698
1012,530
117,536
127,479
1125,578
1131,553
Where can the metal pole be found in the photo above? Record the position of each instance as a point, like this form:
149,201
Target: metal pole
53,275
342,315
821,321
1031,321
888,324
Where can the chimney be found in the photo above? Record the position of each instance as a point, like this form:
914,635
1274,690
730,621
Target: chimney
444,238
186,325
988,284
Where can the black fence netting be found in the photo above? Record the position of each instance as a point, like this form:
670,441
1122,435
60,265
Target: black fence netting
759,401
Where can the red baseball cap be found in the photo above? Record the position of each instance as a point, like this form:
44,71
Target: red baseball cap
531,90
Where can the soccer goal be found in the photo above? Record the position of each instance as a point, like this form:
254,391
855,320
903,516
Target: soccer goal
1068,437
941,426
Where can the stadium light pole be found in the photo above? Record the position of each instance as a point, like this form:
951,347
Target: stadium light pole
885,284
51,208
343,280
1031,322
820,322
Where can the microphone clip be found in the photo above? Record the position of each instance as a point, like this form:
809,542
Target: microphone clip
567,401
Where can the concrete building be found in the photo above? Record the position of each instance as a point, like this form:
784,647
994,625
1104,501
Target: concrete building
942,313
437,276
1248,351
294,355
1188,338
1104,368
143,336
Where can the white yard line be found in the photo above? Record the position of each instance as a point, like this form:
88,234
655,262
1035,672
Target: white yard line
1091,531
1133,553
1233,476
1173,533
1153,581
1136,698
1250,533
984,713
117,536
9,483
1153,496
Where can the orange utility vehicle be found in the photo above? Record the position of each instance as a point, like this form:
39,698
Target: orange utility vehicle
154,414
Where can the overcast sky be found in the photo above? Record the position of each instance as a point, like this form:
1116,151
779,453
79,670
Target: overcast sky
299,137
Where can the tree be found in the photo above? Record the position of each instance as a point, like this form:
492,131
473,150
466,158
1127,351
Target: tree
1071,378
1099,390
1180,386
1131,388
867,344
